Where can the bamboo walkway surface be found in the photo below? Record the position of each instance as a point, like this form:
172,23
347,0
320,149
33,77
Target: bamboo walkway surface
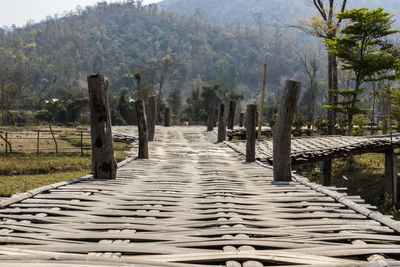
194,203
319,148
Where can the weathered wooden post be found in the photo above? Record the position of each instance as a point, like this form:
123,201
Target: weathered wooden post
262,103
151,119
391,169
231,116
104,165
222,124
326,172
282,132
38,143
81,144
167,113
251,133
241,119
143,133
6,144
210,120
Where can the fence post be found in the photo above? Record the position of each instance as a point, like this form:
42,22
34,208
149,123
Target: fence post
143,133
103,163
166,117
251,133
152,115
54,138
282,132
326,172
222,124
6,144
81,143
37,143
231,116
241,119
391,168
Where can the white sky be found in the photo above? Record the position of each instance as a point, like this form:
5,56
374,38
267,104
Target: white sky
18,12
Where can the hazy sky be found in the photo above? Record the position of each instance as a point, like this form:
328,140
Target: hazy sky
18,12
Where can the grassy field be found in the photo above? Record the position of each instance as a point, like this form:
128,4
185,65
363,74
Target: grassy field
24,170
362,175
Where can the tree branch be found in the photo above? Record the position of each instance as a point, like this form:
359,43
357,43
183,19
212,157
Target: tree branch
321,9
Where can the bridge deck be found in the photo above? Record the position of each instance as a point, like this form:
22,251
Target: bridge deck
319,148
194,203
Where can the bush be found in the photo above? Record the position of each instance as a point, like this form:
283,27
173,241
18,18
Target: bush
322,126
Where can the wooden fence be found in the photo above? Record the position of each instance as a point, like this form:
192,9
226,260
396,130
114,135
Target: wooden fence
44,141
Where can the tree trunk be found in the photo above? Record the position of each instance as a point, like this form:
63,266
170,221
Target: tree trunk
104,165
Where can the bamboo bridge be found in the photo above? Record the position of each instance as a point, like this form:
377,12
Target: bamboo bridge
194,203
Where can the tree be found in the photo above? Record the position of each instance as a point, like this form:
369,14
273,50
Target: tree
210,96
175,100
327,26
363,49
311,68
166,64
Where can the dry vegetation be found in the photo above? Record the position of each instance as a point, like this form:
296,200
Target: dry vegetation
24,170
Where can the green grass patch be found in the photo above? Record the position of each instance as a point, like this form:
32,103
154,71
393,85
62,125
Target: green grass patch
23,172
10,185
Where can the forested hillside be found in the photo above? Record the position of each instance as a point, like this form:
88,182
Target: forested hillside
53,58
213,42
249,12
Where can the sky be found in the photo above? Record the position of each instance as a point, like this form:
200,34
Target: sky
18,12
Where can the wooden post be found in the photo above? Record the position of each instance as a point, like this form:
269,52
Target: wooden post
37,143
251,133
241,119
210,120
104,165
6,143
81,144
260,117
282,132
152,117
231,116
167,113
256,118
326,172
143,133
391,168
222,124
54,138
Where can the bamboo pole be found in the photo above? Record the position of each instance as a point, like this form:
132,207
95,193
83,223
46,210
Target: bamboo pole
260,117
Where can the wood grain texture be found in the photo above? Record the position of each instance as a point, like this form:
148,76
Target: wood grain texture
104,165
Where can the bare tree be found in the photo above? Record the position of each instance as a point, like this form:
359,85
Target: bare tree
311,68
326,26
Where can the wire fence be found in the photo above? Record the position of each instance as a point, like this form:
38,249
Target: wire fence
44,141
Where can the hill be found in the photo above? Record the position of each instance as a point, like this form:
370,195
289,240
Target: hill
242,11
52,58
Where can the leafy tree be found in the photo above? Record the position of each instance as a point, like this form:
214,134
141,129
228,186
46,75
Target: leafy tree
175,100
327,27
363,49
